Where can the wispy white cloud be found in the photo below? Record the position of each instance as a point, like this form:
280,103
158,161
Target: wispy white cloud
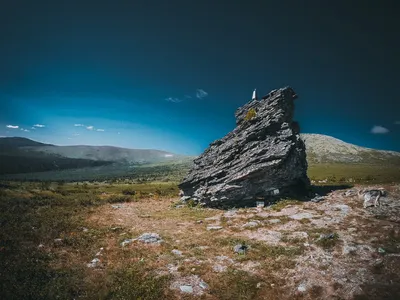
12,126
26,130
397,122
76,134
377,129
79,125
172,99
34,128
119,132
39,125
90,127
101,130
201,93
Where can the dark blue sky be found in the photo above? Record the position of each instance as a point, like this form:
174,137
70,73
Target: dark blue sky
111,65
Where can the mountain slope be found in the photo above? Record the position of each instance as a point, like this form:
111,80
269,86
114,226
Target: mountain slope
107,153
326,149
21,155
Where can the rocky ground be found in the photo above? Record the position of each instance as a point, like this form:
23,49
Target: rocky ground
333,249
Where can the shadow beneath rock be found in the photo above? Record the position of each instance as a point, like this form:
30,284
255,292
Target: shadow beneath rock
324,190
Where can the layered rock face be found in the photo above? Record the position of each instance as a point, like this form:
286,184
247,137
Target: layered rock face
262,159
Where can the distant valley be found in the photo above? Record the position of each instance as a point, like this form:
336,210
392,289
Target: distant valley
22,158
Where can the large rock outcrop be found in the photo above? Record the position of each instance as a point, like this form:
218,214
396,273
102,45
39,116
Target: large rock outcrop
263,158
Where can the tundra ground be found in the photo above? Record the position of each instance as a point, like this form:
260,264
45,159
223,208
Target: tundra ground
74,241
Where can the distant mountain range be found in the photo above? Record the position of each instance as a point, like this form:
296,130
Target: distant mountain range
21,155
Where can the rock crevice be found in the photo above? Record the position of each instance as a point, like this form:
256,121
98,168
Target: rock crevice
262,158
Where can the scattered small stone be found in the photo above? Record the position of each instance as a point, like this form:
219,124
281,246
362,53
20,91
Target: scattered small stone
40,246
344,208
185,198
251,224
150,238
317,198
274,221
180,206
94,263
127,242
326,236
58,241
100,252
116,206
381,250
302,288
214,227
259,285
186,289
306,245
203,247
203,285
260,204
115,228
84,229
172,269
177,252
199,222
347,249
219,268
350,193
240,248
144,216
230,213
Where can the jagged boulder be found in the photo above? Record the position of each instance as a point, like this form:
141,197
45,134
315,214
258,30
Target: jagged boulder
263,158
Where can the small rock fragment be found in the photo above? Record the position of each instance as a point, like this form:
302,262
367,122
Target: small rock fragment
347,249
150,238
274,221
186,289
240,248
317,198
116,206
203,285
177,252
214,227
126,242
302,288
219,268
94,263
251,224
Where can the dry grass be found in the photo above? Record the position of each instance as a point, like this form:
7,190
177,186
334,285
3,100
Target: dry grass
281,254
